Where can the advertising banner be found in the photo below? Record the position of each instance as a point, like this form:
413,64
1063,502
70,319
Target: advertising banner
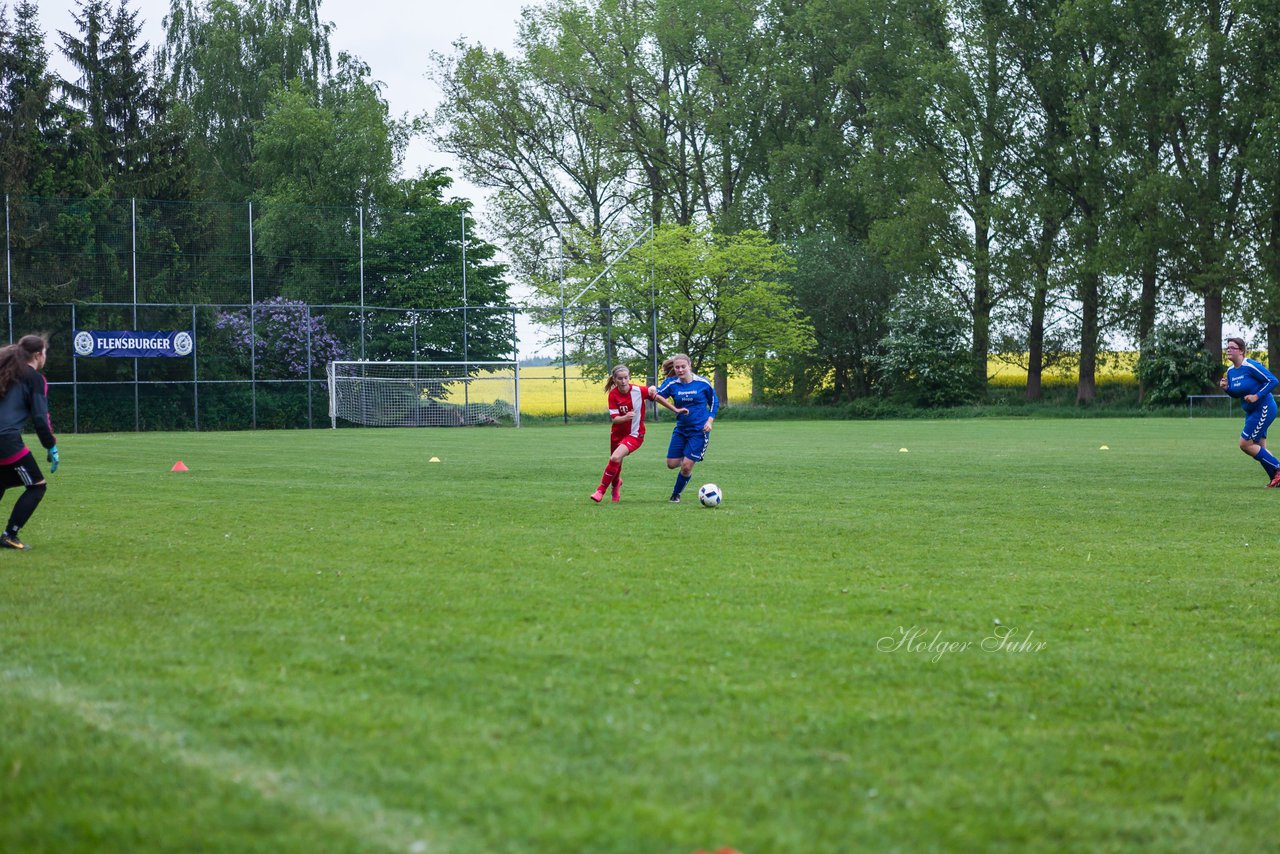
140,344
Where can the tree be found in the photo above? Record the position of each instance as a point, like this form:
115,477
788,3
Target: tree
827,74
285,338
414,216
224,62
1174,363
521,126
1145,115
318,162
846,293
1041,198
27,111
720,299
90,93
1071,56
133,145
717,56
1213,128
926,354
39,156
1262,160
965,137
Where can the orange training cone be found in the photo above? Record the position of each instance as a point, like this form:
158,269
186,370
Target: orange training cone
179,466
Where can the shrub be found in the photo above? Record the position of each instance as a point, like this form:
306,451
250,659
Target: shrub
927,360
1174,364
280,335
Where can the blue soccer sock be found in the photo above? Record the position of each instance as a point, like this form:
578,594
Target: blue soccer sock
682,480
1269,463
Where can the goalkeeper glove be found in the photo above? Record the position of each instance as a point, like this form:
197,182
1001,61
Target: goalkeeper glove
53,459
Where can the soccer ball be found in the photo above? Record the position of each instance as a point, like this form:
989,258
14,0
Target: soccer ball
710,495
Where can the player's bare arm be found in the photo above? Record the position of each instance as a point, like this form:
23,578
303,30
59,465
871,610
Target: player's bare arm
666,404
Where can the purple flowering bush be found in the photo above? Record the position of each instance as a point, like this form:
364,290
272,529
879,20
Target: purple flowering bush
280,332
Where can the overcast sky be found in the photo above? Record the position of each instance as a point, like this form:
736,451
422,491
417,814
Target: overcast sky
395,38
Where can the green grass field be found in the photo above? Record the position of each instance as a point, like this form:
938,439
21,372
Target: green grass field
1006,639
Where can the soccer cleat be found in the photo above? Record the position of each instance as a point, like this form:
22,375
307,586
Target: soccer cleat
617,490
597,496
11,541
675,499
1275,480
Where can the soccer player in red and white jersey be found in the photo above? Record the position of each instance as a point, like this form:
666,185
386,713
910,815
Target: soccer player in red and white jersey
626,413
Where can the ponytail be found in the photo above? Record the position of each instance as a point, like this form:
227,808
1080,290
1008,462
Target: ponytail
668,364
612,381
15,357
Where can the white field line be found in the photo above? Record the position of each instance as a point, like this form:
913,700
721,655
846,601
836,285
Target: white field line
361,817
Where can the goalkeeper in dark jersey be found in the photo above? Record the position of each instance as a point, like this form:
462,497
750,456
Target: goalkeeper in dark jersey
24,394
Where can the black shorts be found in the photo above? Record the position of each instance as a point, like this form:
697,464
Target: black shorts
24,472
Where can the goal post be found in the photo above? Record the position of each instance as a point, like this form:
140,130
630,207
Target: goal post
424,394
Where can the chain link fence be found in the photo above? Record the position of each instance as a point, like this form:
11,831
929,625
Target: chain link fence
269,295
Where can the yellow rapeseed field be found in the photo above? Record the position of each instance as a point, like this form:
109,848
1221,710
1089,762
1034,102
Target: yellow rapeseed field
1112,367
543,393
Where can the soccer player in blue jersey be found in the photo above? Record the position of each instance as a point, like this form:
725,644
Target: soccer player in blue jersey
1252,383
692,433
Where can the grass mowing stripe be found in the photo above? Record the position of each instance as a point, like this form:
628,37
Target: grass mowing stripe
357,816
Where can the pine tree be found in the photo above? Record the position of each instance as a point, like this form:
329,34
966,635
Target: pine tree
27,111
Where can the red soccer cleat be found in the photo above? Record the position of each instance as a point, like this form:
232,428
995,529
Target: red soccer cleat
1275,481
597,496
617,490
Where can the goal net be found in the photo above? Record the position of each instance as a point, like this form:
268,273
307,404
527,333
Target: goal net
424,394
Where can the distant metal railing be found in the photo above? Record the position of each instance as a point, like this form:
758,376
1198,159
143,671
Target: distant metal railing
1192,398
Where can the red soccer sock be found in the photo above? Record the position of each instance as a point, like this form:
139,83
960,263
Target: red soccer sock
610,472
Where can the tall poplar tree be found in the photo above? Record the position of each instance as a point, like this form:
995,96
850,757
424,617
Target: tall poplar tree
1212,130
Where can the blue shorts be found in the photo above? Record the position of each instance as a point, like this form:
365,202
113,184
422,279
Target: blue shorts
691,445
1257,422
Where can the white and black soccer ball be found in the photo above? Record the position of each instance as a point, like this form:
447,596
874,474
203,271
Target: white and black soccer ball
710,495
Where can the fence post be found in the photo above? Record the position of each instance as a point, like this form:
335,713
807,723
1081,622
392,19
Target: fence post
564,365
515,357
653,312
564,368
466,386
360,211
75,377
253,334
195,372
133,254
310,378
465,301
8,266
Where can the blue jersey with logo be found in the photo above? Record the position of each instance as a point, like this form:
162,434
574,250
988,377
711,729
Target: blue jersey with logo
697,396
1252,378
